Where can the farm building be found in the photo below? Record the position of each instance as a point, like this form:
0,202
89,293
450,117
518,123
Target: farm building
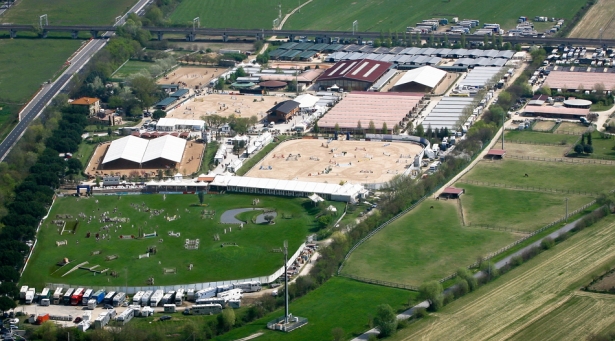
165,103
353,74
577,103
305,78
283,111
392,108
495,154
134,152
272,85
423,79
564,81
550,111
447,113
452,193
175,124
346,193
93,104
479,77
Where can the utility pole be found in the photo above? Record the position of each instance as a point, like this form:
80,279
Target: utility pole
503,131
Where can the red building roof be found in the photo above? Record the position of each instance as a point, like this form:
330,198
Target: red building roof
496,152
453,190
365,70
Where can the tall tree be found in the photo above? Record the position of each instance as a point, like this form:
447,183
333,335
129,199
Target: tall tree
385,320
372,127
385,129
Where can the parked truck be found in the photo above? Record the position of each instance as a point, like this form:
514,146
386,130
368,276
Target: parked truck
22,292
77,296
109,297
30,295
168,298
253,286
44,295
99,296
40,319
179,297
86,296
156,298
67,295
119,299
57,296
146,297
205,293
136,299
125,316
233,294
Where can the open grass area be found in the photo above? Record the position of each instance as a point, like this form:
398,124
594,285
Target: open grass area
396,15
208,159
571,127
25,64
231,13
555,175
425,244
132,67
533,137
603,148
340,302
529,296
536,150
8,118
67,12
512,208
252,257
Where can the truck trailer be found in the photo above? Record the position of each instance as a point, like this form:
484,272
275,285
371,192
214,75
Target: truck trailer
44,295
179,297
252,286
99,296
30,295
125,316
119,299
136,299
156,298
86,296
168,298
109,297
203,309
57,296
67,295
146,297
77,296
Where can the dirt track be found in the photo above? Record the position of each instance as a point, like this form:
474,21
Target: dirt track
600,16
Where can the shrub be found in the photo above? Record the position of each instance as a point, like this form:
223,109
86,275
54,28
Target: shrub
385,320
547,243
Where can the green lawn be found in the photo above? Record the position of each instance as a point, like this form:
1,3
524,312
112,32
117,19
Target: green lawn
339,302
256,158
232,13
253,256
25,64
208,159
555,175
520,210
67,12
396,15
425,244
603,148
8,118
524,136
132,67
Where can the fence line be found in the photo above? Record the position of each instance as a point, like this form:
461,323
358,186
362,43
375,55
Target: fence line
537,143
526,188
383,283
517,242
563,159
550,131
496,228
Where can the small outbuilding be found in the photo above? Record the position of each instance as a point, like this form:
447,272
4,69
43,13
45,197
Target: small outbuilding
452,193
283,111
495,154
272,85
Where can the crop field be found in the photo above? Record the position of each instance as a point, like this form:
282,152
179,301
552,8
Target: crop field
231,13
426,244
22,70
162,215
339,303
597,21
67,12
513,208
524,136
396,15
532,295
553,175
132,67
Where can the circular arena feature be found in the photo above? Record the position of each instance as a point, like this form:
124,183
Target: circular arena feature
577,103
335,161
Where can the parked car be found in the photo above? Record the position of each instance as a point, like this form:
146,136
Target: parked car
164,318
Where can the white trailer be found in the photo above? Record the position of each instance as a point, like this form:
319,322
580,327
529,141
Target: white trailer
156,298
233,294
86,296
84,325
22,292
190,295
179,297
146,297
119,299
253,286
91,303
205,309
169,308
235,304
102,320
125,316
168,298
205,293
136,299
223,288
213,300
57,296
30,295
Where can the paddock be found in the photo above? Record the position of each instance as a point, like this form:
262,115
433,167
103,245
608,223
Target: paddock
337,161
226,105
192,76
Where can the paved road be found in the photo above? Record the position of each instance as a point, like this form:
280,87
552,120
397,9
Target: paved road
48,92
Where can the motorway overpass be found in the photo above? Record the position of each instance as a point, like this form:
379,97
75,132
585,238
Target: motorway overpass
324,36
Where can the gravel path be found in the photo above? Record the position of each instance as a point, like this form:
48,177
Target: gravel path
228,217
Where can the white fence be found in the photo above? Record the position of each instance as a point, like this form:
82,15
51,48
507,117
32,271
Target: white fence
197,286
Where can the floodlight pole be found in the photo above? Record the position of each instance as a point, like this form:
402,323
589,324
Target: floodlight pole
286,282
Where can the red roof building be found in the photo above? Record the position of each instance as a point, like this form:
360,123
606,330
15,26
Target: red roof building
496,153
353,74
452,192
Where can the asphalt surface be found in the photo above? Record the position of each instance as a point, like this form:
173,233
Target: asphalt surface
49,91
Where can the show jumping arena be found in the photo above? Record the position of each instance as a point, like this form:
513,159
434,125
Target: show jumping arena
336,161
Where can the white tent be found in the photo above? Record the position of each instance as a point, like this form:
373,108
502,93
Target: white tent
139,150
306,101
426,75
167,147
129,148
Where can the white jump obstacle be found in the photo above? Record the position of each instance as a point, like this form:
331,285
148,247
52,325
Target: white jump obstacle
62,242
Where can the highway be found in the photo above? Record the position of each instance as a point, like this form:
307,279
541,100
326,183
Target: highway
34,108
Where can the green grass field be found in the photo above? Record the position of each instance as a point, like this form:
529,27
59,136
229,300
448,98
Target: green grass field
524,136
556,175
396,15
231,13
425,244
8,118
25,64
603,148
339,303
372,15
252,257
132,67
67,12
513,209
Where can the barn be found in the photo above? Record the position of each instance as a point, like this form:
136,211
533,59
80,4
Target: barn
133,152
353,75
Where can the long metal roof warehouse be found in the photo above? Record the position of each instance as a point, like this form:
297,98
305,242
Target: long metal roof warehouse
346,193
130,149
378,107
579,80
354,75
